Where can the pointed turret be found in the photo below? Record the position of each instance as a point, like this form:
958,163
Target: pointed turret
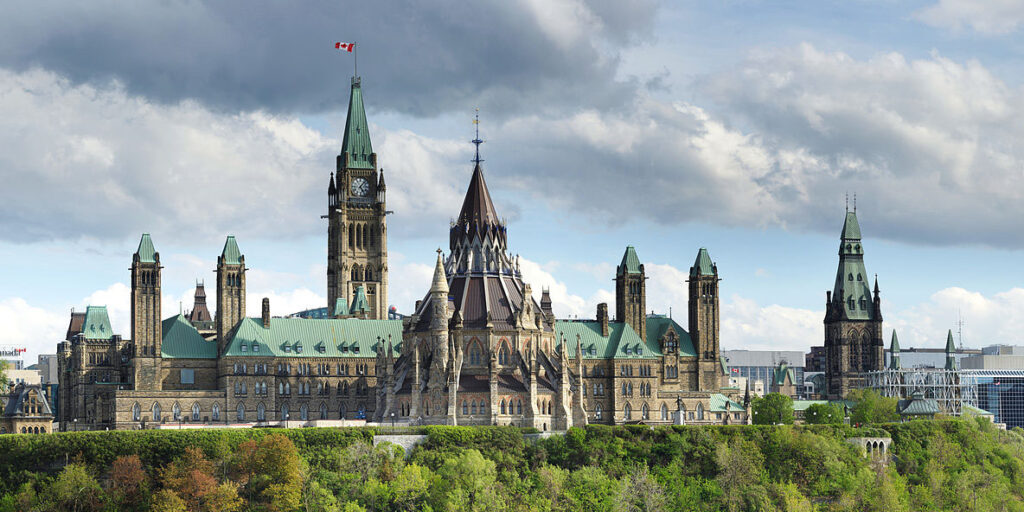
200,314
894,352
478,216
950,351
702,266
230,290
631,292
146,252
440,282
630,262
852,295
356,150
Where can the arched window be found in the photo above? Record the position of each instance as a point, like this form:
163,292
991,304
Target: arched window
240,413
285,415
195,412
304,412
474,355
519,406
700,411
664,412
136,412
323,411
24,430
503,357
483,407
287,388
645,412
369,274
627,413
341,411
215,413
351,235
465,407
597,411
280,388
503,406
156,412
261,412
472,407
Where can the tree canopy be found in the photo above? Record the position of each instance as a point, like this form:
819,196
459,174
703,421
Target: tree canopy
772,409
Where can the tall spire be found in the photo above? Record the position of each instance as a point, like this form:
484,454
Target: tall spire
950,350
356,141
852,287
478,216
440,282
894,352
477,141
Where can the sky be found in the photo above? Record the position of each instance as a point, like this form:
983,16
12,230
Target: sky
745,127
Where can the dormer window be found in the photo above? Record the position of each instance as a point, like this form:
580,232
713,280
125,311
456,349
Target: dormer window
298,347
245,347
850,278
255,347
849,302
626,349
859,277
287,348
355,348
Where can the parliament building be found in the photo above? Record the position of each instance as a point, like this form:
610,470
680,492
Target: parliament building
478,349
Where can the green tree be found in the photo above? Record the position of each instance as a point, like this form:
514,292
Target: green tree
590,489
872,407
773,409
824,414
168,501
640,492
278,473
74,490
468,482
741,475
411,487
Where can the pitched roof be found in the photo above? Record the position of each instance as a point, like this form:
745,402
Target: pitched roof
231,255
146,252
182,340
894,347
781,372
356,139
96,325
630,262
851,228
622,341
478,215
440,281
18,397
75,326
359,302
950,346
340,307
718,401
305,337
918,405
702,266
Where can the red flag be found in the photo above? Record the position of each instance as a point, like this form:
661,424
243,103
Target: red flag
348,47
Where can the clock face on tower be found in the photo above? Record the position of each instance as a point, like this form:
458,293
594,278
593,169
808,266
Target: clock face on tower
360,187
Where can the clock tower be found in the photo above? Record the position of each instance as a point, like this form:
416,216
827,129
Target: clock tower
357,249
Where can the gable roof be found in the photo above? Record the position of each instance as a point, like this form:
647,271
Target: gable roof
340,307
359,302
919,406
96,325
18,397
781,372
718,402
307,337
182,340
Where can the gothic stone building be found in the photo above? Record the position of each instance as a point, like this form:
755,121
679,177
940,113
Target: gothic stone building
479,349
853,318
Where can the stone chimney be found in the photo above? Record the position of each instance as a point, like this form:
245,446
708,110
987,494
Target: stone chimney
266,313
602,317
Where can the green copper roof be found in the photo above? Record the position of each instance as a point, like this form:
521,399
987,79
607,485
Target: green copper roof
96,325
802,405
183,341
950,346
724,364
852,286
702,266
146,252
622,341
340,307
231,254
919,406
359,302
780,374
718,402
305,337
851,228
630,262
894,347
356,140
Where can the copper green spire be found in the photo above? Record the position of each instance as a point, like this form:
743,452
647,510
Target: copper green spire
851,228
852,289
630,262
950,350
356,142
702,266
231,254
146,252
894,352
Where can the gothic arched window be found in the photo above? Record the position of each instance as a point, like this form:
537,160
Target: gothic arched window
465,407
472,407
323,411
503,356
284,412
240,413
627,413
176,411
503,406
195,412
261,412
215,413
136,412
664,412
645,412
597,411
519,406
700,411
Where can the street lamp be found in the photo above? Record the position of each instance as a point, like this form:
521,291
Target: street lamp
392,420
74,425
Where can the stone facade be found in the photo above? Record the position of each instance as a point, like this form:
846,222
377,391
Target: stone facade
478,350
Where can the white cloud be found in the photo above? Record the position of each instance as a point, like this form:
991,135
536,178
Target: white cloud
563,303
35,329
987,319
748,325
990,17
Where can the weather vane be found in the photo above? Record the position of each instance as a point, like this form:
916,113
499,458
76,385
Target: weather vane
477,141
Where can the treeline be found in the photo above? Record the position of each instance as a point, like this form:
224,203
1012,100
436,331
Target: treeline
936,465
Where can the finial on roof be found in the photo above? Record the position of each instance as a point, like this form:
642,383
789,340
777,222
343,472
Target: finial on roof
847,202
854,202
477,140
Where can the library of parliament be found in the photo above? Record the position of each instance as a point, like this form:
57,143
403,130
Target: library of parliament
478,348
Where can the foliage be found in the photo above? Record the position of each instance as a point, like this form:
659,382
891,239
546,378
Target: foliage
936,465
772,409
872,407
824,414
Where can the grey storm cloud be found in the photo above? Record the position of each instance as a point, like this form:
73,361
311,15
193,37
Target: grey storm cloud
422,58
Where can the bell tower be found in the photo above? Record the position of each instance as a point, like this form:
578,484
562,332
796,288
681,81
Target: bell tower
147,329
357,252
703,317
631,293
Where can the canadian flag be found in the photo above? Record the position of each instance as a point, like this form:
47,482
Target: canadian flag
348,47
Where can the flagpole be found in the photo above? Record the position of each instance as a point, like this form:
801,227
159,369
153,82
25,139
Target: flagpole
355,58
